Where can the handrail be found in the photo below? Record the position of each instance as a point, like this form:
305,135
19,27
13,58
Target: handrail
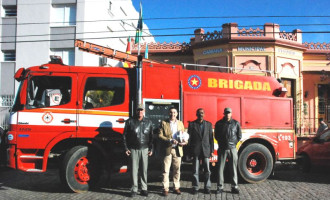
223,67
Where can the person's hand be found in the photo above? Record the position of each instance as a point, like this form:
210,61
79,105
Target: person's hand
182,143
174,141
128,152
212,154
149,153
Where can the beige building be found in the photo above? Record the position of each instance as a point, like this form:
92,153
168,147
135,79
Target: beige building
303,68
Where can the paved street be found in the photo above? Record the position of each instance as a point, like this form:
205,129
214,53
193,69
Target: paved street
288,183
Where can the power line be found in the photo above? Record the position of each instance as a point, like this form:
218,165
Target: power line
162,35
153,29
179,18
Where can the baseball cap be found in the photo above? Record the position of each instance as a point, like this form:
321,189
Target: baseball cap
227,110
140,107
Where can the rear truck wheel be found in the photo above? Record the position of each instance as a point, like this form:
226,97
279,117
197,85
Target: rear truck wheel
255,163
80,169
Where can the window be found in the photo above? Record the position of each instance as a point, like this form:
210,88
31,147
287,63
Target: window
102,92
47,91
325,136
64,15
9,11
67,55
9,56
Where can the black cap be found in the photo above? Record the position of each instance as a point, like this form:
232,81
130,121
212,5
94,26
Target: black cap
227,110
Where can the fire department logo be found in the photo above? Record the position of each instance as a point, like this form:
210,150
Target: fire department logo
194,82
47,117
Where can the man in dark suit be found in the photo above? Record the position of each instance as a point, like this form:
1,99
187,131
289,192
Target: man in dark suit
201,148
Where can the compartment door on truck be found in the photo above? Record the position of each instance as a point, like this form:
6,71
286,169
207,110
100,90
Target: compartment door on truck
50,109
104,107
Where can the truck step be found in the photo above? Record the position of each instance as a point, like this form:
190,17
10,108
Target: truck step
31,157
34,170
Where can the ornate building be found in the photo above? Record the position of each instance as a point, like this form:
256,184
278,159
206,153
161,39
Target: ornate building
303,68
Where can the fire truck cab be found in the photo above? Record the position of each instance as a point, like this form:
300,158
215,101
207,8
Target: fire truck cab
77,115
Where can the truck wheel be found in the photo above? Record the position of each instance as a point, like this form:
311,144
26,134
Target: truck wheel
80,169
255,163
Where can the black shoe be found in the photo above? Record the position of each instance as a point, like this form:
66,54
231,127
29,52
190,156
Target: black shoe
207,191
133,194
219,191
235,190
194,191
144,193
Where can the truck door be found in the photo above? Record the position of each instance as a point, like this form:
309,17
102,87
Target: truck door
49,111
104,107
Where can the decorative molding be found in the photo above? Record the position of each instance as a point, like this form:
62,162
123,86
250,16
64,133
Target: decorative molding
250,32
288,36
317,46
212,36
250,61
164,46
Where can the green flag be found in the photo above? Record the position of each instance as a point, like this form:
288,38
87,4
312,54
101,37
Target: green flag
138,34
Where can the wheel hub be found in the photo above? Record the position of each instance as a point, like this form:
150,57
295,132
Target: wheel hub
253,163
81,170
256,163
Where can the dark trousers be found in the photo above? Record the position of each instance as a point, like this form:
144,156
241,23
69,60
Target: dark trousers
231,154
207,173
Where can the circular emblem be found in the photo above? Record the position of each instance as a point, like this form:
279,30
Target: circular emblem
47,117
10,137
194,81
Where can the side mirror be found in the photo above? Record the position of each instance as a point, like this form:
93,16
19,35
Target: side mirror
20,74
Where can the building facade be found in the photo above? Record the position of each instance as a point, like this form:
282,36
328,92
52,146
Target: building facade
33,30
302,68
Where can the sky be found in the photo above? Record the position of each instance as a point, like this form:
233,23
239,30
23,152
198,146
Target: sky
229,11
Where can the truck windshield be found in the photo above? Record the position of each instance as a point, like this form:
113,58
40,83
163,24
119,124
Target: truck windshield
47,91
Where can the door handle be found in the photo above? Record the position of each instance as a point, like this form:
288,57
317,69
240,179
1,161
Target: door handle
120,120
68,121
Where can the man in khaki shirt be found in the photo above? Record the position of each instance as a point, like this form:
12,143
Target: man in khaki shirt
172,149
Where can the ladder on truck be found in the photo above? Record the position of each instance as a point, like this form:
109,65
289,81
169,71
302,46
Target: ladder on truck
107,52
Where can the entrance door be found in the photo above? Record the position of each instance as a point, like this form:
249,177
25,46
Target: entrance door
289,84
324,102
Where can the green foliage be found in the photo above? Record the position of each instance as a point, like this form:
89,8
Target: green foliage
100,98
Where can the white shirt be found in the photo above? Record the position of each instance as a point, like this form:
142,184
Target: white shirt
174,129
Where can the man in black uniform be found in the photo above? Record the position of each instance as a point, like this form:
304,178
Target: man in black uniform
137,140
228,133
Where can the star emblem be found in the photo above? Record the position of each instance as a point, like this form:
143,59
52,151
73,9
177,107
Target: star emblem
194,81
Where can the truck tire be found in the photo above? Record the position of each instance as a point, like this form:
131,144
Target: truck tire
255,163
80,169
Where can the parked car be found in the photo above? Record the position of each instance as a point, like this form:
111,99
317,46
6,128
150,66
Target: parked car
315,152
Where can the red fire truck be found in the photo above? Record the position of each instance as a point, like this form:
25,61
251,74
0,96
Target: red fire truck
77,114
